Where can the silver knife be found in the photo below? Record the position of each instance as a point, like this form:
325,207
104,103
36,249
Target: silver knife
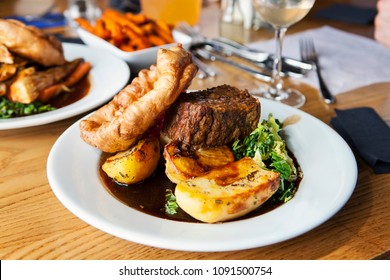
214,57
290,67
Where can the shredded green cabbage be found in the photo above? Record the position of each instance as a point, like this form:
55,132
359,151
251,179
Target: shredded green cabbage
266,146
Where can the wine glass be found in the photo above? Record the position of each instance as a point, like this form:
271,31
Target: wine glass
281,14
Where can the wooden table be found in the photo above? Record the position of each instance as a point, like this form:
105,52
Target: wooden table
35,225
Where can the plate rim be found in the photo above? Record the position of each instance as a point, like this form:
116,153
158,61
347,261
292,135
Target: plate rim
93,40
160,241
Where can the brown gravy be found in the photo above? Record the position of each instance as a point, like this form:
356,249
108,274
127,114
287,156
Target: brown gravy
77,92
149,196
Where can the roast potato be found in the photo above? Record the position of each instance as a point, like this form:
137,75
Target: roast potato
182,165
135,164
227,192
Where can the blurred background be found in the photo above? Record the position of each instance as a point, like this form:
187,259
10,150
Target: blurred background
354,15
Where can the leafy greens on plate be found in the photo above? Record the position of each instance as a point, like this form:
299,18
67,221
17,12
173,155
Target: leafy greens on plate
266,146
9,109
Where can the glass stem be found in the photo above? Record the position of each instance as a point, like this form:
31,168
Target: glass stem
277,82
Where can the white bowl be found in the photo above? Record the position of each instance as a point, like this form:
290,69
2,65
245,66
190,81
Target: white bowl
137,59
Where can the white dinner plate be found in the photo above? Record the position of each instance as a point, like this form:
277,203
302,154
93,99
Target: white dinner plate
330,175
137,59
109,74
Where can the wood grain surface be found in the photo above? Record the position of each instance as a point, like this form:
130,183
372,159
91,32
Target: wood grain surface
35,225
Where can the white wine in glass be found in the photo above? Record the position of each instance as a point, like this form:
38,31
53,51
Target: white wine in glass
281,14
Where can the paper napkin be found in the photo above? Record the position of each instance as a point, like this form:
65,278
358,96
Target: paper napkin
347,61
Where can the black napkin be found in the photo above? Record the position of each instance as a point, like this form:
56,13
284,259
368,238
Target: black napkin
348,13
74,40
365,131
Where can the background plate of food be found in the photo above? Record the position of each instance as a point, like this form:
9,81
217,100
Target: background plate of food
108,74
327,162
133,37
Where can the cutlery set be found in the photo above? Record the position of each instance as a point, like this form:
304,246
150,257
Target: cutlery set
258,63
204,70
206,54
225,49
263,60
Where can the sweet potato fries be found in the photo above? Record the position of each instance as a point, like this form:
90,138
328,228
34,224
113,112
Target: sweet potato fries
129,32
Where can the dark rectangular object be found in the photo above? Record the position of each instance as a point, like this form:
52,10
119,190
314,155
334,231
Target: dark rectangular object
348,13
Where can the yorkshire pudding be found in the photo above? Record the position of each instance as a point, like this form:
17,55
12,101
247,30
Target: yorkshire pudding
31,43
121,123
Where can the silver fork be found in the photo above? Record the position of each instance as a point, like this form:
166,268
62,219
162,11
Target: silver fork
204,70
308,54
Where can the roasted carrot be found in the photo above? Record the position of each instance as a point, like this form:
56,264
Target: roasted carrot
114,28
156,40
130,32
127,48
85,24
122,20
49,92
164,26
163,31
138,19
138,42
100,29
148,28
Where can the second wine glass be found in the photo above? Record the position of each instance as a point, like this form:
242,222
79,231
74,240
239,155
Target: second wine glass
281,14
